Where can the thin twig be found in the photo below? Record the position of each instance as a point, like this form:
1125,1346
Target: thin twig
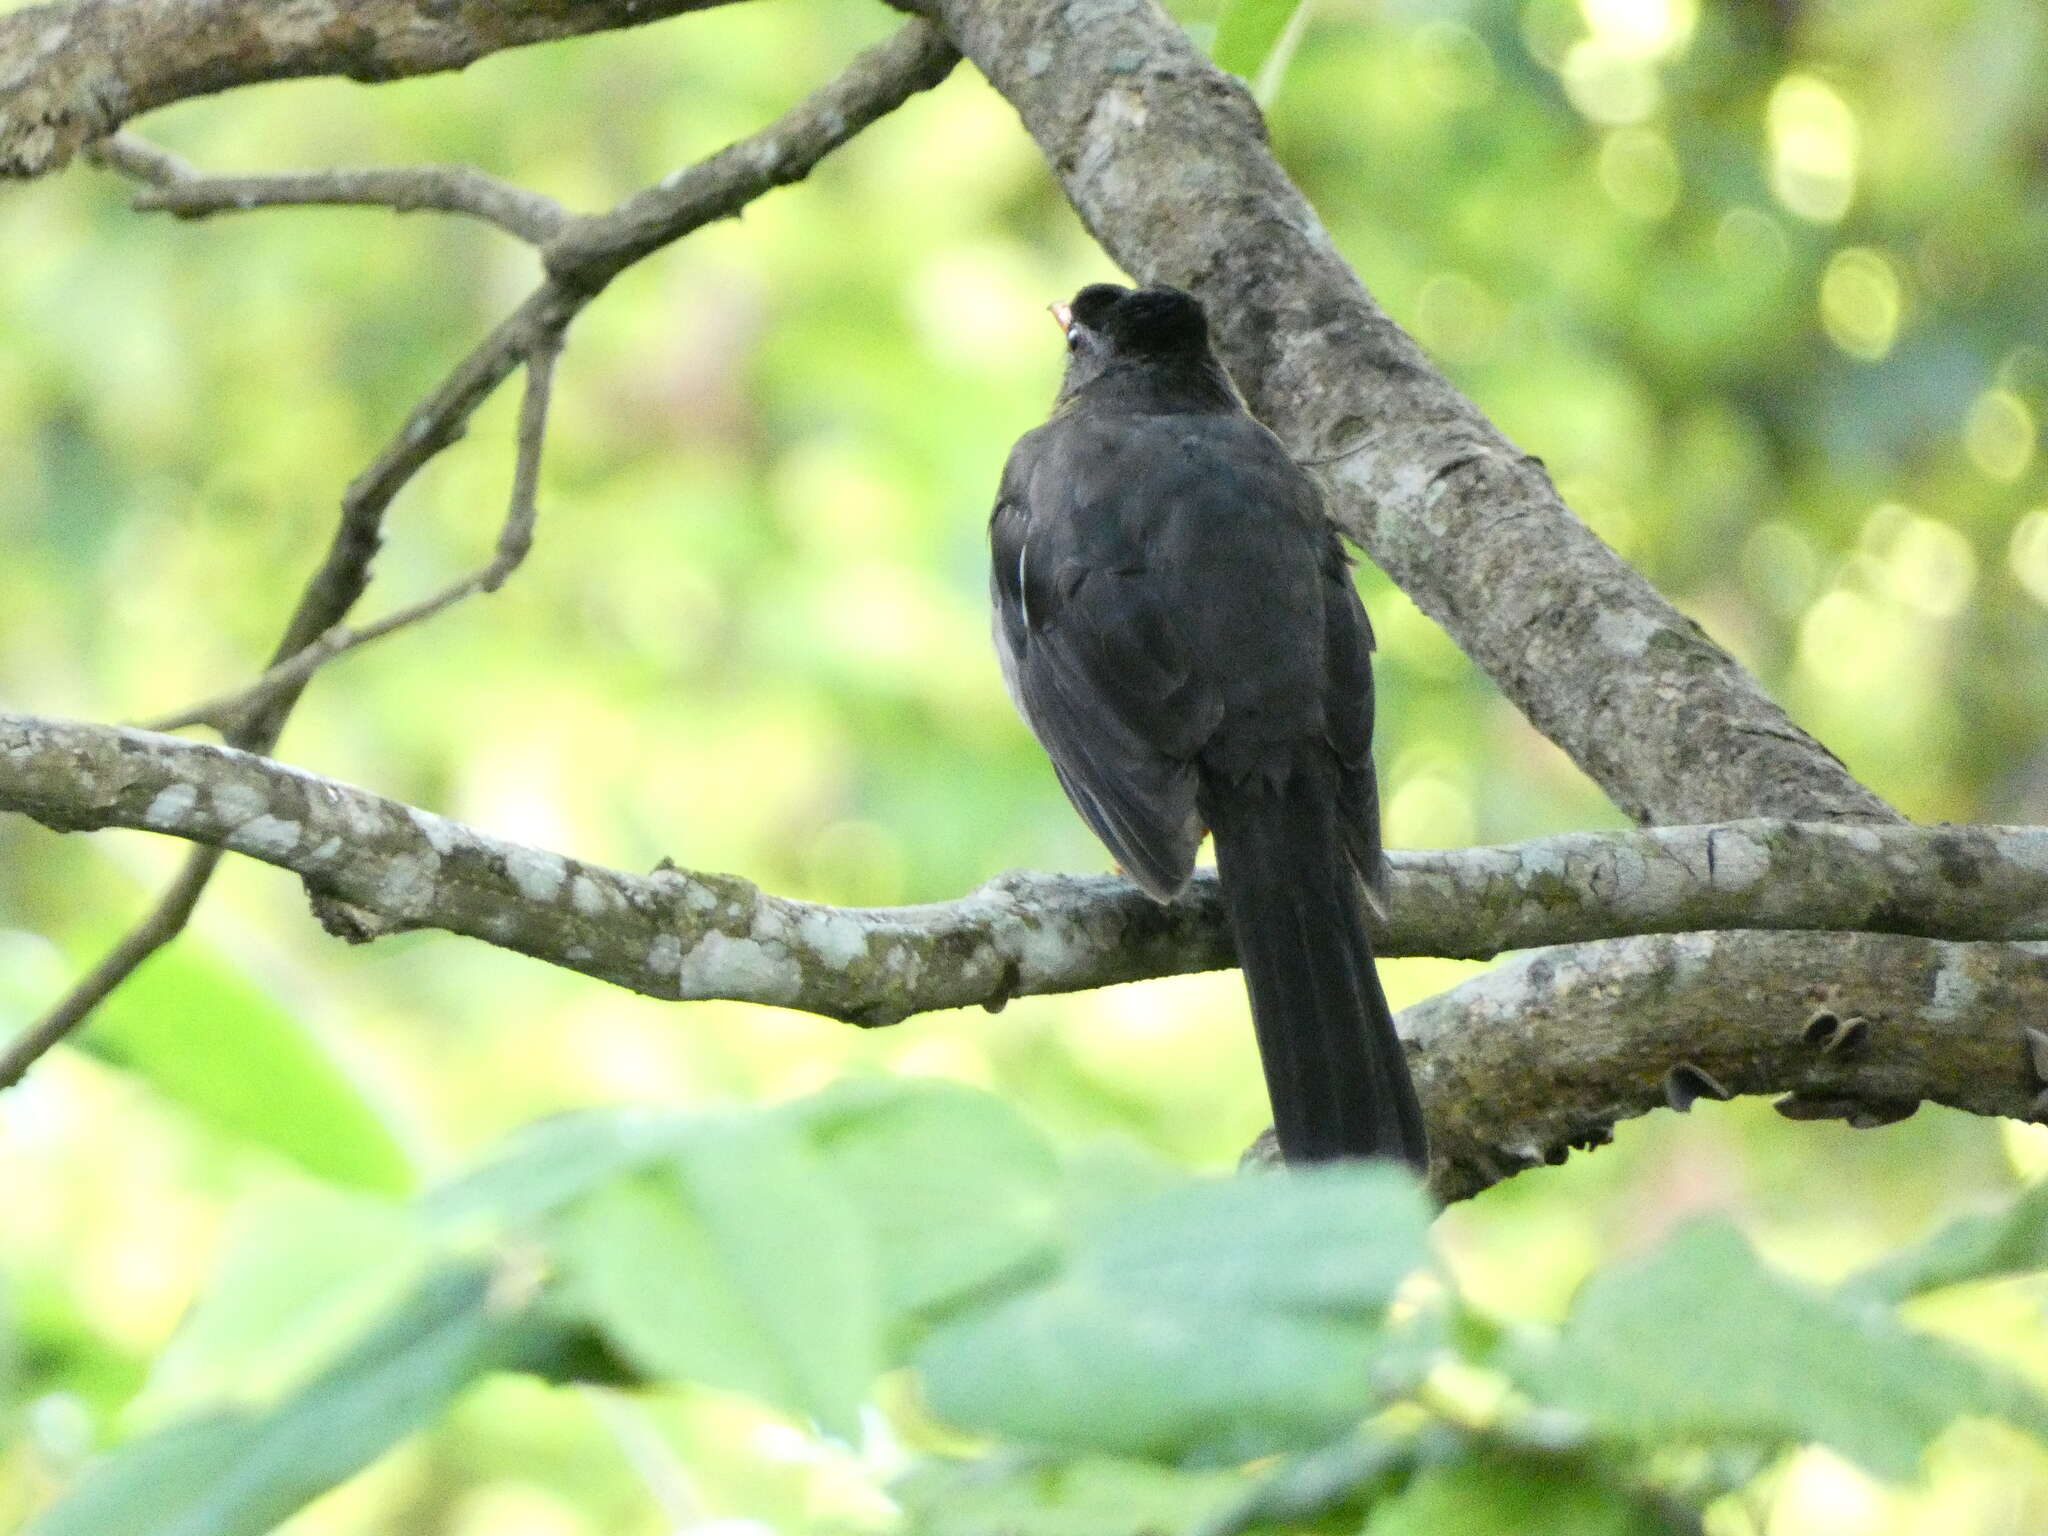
535,328
876,83
515,539
177,187
585,255
162,925
648,1452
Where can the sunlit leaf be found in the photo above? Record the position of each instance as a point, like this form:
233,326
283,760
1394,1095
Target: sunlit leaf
202,1032
1987,1246
1227,1319
304,1270
734,1262
1701,1341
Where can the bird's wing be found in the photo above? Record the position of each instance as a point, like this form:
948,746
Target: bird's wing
1099,669
1347,649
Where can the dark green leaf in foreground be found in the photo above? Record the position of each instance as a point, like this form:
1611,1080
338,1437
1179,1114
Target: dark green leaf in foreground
1227,1319
240,1473
1701,1341
733,1262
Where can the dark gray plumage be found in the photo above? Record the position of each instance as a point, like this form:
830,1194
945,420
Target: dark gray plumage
1177,623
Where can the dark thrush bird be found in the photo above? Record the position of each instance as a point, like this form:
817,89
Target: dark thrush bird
1178,625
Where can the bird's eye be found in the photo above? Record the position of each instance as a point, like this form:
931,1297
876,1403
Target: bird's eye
1074,338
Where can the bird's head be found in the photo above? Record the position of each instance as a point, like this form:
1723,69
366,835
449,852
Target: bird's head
1155,336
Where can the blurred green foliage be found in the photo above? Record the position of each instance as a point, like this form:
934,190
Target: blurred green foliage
1138,1328
1760,280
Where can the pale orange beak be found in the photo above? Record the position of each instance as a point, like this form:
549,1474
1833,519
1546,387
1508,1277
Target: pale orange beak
1064,313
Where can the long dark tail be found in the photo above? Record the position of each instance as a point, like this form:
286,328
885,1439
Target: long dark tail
1334,1067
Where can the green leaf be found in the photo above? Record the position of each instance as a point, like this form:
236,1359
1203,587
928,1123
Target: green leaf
1038,1496
1701,1340
958,1193
1080,1367
200,1031
1228,1319
240,1473
1522,1496
1248,33
304,1270
1338,1239
733,1262
2013,1241
552,1162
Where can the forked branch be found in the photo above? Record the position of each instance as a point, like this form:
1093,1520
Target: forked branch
582,255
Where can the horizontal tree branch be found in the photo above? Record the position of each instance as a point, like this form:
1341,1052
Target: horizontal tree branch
74,71
1515,1067
1166,160
686,935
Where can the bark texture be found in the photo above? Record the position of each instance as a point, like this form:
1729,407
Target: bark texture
682,934
1547,1052
75,71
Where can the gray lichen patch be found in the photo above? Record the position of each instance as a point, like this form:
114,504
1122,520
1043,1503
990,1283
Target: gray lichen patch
170,806
266,837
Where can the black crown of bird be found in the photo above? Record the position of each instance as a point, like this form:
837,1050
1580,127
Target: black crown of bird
1177,623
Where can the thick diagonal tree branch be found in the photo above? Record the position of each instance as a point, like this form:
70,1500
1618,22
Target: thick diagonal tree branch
1165,158
1166,161
1543,1054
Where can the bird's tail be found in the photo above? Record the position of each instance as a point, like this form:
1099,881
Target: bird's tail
1334,1067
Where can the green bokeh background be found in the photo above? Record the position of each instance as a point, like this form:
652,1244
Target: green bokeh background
1762,281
